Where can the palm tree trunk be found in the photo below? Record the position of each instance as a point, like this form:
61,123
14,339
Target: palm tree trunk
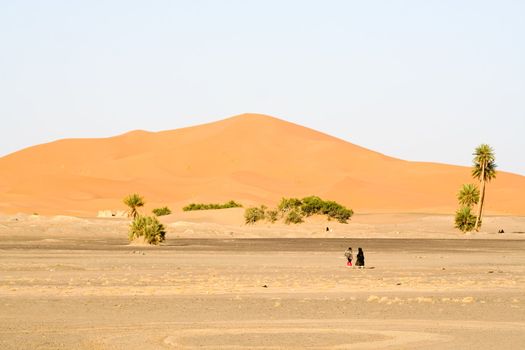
481,199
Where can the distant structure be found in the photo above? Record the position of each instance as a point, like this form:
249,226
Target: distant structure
112,214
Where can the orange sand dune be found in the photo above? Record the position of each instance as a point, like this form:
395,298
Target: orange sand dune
249,158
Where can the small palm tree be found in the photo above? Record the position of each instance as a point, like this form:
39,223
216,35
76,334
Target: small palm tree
465,220
468,195
484,169
133,201
147,227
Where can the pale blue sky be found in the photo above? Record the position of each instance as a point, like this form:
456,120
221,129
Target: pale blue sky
418,80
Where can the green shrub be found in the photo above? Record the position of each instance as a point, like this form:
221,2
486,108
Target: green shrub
294,210
343,215
254,214
312,205
161,211
293,217
208,206
232,204
272,215
336,211
147,227
288,204
193,206
465,220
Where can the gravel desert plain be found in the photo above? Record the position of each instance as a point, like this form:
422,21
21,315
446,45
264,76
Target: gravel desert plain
72,280
74,283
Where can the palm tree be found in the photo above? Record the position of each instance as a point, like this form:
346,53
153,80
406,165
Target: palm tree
484,169
133,201
464,219
468,195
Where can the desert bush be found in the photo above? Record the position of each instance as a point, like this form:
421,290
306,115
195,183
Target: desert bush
193,206
288,204
293,217
147,227
312,205
161,211
465,220
208,206
254,214
272,215
293,210
336,211
232,204
343,215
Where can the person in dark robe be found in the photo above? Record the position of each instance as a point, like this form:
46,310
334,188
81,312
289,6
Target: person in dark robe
360,261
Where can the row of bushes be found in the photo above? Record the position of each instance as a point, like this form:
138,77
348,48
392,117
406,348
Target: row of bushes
204,206
193,206
293,211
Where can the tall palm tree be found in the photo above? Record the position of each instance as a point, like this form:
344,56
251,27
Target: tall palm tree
484,169
468,195
134,201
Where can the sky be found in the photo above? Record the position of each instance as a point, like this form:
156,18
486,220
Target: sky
417,80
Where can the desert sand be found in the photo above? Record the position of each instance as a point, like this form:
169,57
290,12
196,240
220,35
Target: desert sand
250,158
77,283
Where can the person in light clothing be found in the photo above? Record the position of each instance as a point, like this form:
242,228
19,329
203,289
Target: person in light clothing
349,256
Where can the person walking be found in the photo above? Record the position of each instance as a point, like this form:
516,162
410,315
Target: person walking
349,256
360,261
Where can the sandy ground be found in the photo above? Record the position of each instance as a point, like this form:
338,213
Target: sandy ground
73,283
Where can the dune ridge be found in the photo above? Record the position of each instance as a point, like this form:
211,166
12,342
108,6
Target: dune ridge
252,158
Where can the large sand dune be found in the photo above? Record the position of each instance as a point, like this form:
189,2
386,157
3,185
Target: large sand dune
249,158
